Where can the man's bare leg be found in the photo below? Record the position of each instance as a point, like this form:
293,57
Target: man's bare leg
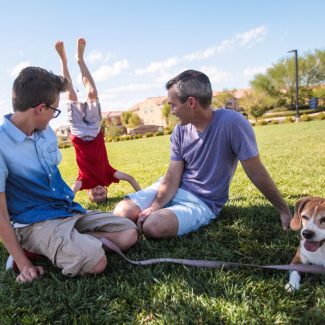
59,46
87,79
161,224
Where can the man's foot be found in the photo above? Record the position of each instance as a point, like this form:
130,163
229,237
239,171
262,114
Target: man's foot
59,46
81,44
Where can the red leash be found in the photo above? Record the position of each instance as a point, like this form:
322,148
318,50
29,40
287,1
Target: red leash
307,268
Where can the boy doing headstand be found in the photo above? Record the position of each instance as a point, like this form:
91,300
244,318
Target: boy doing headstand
95,172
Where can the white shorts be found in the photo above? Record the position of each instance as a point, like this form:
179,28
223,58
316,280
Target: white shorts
191,212
84,119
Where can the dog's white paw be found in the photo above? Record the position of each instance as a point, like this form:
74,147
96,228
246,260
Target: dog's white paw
294,282
292,287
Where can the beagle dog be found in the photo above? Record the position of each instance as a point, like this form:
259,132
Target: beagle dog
310,218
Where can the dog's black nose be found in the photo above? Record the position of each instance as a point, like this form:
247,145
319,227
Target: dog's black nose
308,234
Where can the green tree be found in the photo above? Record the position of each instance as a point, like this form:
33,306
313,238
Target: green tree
279,80
319,92
223,97
134,121
126,117
166,112
130,119
256,103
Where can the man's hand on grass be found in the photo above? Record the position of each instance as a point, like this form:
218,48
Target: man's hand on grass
285,219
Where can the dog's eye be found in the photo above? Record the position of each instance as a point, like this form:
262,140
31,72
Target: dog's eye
322,220
304,217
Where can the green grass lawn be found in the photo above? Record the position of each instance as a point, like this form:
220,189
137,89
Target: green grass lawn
248,230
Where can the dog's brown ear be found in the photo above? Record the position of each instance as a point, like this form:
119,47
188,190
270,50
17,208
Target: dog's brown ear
295,223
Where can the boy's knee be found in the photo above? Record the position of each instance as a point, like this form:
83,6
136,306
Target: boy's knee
100,266
128,239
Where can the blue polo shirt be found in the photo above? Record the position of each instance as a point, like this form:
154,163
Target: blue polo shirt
35,190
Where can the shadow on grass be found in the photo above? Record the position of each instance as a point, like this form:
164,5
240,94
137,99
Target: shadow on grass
173,293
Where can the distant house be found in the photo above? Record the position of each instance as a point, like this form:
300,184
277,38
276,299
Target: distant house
63,132
150,111
114,117
233,103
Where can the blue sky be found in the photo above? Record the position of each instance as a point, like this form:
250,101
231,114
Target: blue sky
134,47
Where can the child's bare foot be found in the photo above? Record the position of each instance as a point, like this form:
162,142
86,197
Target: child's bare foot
81,49
59,46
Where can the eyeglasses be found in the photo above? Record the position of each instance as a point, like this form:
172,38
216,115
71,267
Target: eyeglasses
56,112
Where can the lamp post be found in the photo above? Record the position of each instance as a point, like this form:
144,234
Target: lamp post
297,83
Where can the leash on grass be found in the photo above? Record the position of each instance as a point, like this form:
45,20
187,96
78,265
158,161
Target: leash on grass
306,268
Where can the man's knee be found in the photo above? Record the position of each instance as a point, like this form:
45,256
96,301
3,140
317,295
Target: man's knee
127,209
155,228
151,230
100,266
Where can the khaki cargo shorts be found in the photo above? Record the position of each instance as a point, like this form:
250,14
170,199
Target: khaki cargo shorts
67,242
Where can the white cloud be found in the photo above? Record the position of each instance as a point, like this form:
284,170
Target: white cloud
13,72
250,72
120,104
216,76
94,56
106,96
252,36
200,55
133,87
164,77
106,71
157,66
246,39
97,55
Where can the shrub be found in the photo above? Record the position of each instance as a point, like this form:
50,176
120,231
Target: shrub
159,133
167,129
149,134
289,119
305,118
62,144
320,116
261,122
115,130
252,123
109,139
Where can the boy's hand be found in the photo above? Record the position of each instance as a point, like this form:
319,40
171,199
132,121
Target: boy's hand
30,273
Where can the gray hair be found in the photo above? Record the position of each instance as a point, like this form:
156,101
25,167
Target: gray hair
191,83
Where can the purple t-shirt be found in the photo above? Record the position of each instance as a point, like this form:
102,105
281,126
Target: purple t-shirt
211,156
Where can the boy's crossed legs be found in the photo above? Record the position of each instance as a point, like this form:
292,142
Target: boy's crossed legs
73,244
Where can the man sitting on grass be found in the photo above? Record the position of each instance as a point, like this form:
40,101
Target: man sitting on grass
205,148
34,196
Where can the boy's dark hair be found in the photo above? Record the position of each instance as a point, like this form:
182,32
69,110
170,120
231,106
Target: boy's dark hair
192,83
34,86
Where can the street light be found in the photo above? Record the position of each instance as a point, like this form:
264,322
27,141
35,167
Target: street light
297,83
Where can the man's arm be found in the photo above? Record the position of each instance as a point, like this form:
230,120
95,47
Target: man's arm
167,188
259,176
29,272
